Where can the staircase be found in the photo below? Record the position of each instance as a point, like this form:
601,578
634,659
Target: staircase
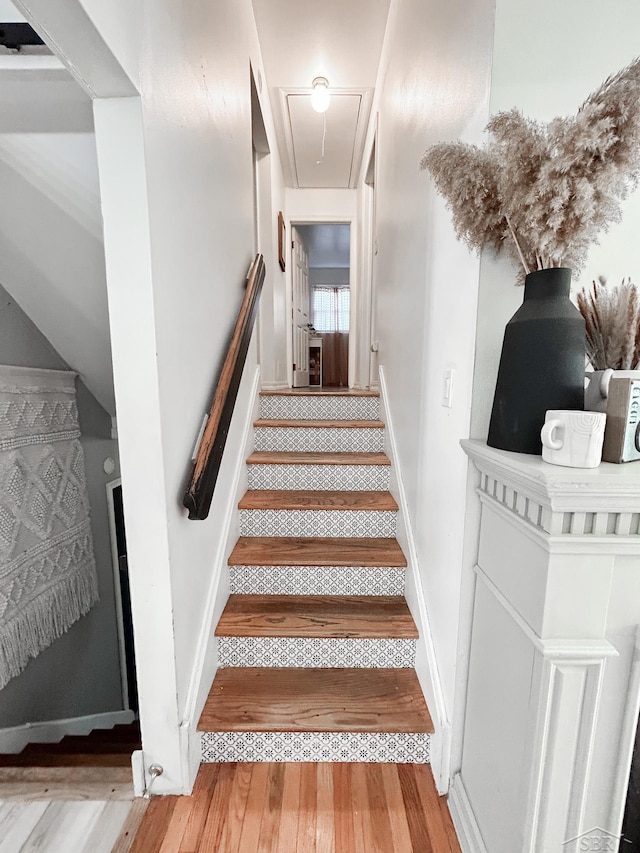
316,644
100,748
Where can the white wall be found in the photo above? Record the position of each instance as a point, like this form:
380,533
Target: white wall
320,205
541,66
79,674
176,181
51,251
338,276
436,88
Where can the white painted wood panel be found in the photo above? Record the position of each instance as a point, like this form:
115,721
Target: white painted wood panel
554,639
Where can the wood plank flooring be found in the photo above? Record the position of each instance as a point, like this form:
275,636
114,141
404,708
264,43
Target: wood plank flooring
65,783
62,826
358,616
325,499
316,551
302,808
315,700
315,424
315,391
292,457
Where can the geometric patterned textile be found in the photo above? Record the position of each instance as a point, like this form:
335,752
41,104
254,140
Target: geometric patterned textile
348,478
319,407
398,748
317,652
321,439
47,567
314,522
316,580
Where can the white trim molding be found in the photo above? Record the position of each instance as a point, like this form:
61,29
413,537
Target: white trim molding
554,618
206,658
426,662
464,820
15,738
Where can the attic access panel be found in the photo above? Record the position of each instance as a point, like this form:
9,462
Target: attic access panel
17,35
307,128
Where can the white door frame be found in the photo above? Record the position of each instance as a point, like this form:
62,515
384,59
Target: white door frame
368,346
354,324
68,29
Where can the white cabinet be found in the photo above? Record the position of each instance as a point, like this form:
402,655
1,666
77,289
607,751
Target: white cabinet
553,685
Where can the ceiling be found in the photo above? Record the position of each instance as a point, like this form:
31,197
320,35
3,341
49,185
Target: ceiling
327,245
341,41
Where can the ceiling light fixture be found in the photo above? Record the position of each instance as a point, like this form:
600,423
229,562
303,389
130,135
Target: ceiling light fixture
320,96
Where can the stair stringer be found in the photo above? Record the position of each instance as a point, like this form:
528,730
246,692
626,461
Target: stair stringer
206,658
426,665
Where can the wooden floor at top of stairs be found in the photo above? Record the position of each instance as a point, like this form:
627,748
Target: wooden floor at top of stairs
356,616
284,457
316,551
321,499
318,424
315,391
257,699
308,808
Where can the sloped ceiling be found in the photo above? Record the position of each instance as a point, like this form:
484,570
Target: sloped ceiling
337,40
51,243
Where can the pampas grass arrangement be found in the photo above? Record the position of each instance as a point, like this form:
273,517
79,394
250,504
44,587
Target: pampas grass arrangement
612,320
545,191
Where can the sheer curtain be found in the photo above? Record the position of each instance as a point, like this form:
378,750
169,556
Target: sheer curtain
331,321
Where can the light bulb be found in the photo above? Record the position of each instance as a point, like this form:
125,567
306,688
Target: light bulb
320,96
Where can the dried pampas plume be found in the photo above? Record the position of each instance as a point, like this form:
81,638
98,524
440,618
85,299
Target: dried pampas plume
612,321
545,191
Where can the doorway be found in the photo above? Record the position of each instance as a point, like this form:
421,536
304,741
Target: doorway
328,250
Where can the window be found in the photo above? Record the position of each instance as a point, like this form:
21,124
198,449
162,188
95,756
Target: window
331,309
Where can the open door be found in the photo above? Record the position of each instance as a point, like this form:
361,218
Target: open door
301,308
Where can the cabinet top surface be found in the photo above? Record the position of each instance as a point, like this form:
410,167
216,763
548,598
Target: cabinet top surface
556,485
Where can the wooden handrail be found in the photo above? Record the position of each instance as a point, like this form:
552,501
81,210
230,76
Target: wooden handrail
197,498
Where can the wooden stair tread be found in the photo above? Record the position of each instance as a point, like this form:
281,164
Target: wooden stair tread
119,759
309,499
315,392
273,457
316,551
356,616
76,744
259,699
315,424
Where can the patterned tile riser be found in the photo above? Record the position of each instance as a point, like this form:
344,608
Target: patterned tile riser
316,652
320,439
273,522
348,478
320,408
316,746
316,580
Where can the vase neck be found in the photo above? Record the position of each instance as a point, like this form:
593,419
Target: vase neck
553,283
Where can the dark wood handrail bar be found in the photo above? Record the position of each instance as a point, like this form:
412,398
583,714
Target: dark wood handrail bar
197,498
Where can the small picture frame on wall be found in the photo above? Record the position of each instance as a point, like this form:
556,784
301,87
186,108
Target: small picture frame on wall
281,241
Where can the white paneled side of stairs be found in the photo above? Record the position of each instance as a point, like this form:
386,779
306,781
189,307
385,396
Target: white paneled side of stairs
316,645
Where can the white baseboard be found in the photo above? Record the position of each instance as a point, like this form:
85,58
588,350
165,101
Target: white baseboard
275,386
426,662
464,820
15,739
206,658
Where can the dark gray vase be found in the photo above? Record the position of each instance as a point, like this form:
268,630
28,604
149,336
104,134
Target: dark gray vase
542,363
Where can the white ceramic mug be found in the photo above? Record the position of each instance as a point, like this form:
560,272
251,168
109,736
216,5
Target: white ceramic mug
573,439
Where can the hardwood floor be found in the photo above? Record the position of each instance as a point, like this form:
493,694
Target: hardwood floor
283,457
315,700
361,616
302,808
316,551
320,500
60,825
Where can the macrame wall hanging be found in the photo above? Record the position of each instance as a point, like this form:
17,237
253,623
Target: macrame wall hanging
47,567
